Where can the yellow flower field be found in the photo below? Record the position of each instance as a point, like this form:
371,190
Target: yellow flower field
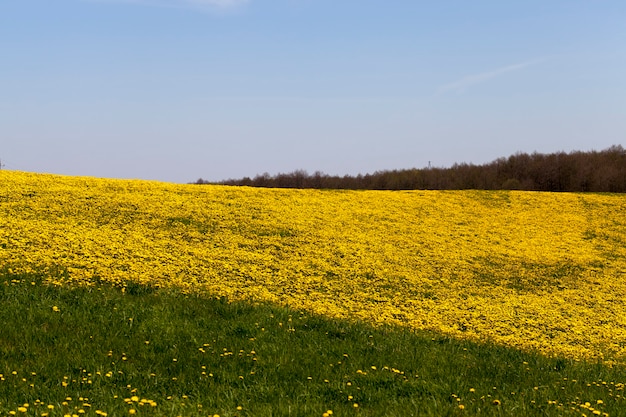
539,271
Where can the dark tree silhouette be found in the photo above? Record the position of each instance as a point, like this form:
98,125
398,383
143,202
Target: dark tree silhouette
594,171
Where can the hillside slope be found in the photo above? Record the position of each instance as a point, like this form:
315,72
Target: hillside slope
525,269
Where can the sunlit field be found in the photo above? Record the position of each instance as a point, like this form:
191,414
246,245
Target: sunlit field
539,273
533,270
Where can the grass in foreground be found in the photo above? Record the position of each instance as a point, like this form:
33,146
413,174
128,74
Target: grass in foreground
103,351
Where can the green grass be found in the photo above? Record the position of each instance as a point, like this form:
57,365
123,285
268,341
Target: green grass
197,356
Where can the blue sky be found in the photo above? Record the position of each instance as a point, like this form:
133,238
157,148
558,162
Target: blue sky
174,90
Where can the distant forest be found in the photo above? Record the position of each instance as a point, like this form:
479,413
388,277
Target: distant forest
594,171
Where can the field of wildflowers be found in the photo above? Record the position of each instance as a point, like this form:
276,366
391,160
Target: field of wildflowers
537,271
74,351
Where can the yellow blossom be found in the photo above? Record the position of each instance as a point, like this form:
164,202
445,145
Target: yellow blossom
506,267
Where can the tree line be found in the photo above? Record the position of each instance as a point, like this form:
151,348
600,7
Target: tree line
593,171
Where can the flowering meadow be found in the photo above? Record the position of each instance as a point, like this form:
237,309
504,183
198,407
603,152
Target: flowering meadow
144,298
539,272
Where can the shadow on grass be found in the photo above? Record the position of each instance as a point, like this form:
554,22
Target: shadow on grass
194,355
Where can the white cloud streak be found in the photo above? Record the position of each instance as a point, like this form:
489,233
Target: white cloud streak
464,83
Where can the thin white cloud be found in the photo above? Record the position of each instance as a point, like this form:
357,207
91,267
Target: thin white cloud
464,83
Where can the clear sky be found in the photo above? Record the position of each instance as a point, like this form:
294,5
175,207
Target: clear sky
175,90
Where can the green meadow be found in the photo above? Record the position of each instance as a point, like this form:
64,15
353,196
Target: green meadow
102,350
